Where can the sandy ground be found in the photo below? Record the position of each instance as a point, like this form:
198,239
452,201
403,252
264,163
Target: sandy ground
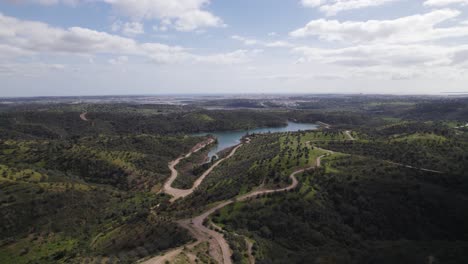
83,117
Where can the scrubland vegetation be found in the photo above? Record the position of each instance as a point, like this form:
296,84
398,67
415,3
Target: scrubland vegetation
75,191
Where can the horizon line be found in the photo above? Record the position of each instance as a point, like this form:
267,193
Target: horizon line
231,94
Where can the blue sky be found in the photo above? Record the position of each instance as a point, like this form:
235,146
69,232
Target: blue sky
99,47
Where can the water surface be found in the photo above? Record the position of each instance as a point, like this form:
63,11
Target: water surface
228,139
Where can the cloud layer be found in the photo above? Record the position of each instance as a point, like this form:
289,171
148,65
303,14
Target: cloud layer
333,7
438,3
186,42
30,37
409,47
415,28
182,15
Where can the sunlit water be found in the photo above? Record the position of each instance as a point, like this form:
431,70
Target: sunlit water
228,139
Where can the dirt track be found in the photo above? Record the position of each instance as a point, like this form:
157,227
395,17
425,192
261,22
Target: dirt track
83,117
249,251
348,134
181,193
415,168
219,248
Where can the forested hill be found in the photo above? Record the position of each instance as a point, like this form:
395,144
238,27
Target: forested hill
30,122
81,183
76,180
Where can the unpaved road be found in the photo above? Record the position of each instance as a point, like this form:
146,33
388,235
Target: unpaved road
181,193
219,247
83,117
249,251
324,125
350,137
348,134
168,256
415,168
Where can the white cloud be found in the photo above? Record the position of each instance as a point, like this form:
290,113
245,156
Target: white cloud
133,28
29,37
391,62
7,51
415,28
185,15
460,57
39,37
278,44
244,40
128,28
235,57
29,69
405,48
313,3
164,25
444,2
161,53
333,7
358,52
119,60
381,55
269,44
374,62
54,2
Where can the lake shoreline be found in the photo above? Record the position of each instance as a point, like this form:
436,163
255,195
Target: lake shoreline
227,139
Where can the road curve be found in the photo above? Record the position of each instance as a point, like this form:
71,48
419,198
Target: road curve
351,138
415,168
324,125
83,116
219,247
348,134
181,193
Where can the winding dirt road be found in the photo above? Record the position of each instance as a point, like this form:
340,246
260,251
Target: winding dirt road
219,247
83,117
351,138
415,168
250,251
348,134
458,127
181,193
324,125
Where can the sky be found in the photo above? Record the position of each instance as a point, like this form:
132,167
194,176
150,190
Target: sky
122,47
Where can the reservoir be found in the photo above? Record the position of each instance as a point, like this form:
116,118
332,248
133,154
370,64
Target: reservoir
228,139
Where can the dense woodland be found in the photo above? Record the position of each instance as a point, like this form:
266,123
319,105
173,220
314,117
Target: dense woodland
75,191
359,211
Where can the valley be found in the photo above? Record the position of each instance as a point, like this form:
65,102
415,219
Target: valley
131,183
